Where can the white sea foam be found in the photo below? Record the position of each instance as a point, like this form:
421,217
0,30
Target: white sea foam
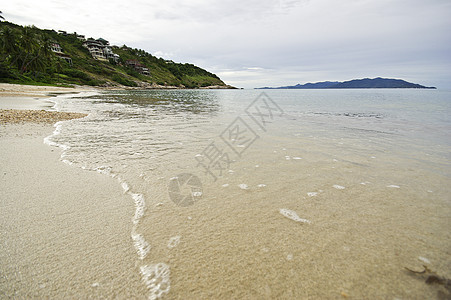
157,279
243,186
142,247
49,140
125,186
196,194
106,170
174,241
338,187
140,206
393,186
67,162
424,259
293,216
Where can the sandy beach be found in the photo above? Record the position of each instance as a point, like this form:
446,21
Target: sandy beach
60,226
344,219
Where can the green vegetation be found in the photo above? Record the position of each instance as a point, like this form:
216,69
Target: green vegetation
26,57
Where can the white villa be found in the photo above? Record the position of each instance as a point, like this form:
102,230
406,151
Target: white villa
56,48
100,49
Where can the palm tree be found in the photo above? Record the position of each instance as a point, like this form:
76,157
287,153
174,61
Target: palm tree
1,17
8,40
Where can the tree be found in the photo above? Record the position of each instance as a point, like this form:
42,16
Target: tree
25,50
8,41
1,17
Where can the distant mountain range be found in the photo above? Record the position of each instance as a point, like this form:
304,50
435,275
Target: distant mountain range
366,83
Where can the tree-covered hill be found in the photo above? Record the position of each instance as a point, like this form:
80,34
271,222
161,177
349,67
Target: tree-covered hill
34,56
365,83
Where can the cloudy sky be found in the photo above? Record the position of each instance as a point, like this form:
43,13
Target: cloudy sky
254,43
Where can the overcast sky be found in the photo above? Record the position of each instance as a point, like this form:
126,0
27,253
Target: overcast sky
255,43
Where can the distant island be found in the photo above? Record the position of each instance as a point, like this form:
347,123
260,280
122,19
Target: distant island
366,83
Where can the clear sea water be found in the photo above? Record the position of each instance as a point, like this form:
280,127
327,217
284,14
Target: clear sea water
281,194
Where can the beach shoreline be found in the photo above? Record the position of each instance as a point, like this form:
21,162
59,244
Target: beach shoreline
373,217
60,225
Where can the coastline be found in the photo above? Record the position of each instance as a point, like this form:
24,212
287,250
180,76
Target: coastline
65,231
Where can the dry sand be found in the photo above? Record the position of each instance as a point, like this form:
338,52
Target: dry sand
64,232
21,91
16,96
8,116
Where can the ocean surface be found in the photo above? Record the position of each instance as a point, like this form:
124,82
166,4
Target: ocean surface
302,194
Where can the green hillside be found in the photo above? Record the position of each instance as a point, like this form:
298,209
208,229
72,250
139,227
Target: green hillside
28,55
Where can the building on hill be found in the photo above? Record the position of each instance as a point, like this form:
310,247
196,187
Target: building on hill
100,49
140,68
96,49
56,48
103,41
108,52
79,36
58,51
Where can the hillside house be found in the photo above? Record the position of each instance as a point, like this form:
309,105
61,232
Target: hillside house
56,48
96,49
80,36
100,49
140,68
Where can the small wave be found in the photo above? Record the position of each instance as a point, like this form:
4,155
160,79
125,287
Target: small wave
142,247
174,241
350,114
290,214
156,278
140,207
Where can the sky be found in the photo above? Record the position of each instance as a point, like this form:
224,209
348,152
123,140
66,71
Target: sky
256,43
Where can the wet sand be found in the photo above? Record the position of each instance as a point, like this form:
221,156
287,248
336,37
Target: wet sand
64,231
362,235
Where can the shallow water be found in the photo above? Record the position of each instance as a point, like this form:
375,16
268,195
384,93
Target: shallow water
286,194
